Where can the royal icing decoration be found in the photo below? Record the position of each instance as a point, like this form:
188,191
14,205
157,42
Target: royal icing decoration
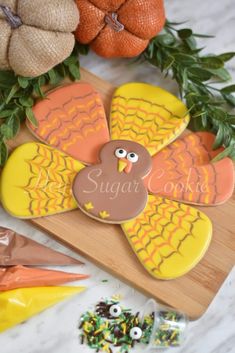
134,178
71,119
113,190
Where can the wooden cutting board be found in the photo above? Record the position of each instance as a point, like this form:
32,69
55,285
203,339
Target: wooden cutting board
107,247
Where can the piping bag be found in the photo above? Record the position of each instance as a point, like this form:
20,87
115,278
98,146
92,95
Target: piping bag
16,249
19,305
24,277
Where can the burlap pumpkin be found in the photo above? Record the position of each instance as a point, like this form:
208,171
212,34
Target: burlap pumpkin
35,35
119,28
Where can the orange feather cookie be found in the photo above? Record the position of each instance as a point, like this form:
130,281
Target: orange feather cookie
71,119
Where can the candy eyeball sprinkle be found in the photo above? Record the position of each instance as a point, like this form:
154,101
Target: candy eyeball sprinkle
120,153
132,157
115,310
136,333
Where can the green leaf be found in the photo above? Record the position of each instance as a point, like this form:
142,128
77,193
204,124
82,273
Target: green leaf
230,99
5,113
185,33
74,71
168,63
228,89
185,59
54,77
201,74
38,91
227,152
10,128
165,39
6,131
198,35
191,43
26,101
3,153
219,138
82,49
222,73
21,114
61,70
72,60
14,124
204,121
42,80
220,114
7,79
226,56
30,115
211,62
12,92
175,23
198,114
23,82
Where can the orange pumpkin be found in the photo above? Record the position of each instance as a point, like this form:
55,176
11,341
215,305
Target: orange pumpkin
119,28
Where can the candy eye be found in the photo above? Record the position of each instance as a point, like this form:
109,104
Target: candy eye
136,333
115,310
132,157
120,153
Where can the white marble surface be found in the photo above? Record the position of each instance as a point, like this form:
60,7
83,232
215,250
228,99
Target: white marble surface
55,331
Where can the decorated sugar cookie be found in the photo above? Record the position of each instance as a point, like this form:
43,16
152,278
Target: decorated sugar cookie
71,119
113,190
134,178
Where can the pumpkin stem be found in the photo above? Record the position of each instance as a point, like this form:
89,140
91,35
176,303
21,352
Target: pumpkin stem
112,20
13,20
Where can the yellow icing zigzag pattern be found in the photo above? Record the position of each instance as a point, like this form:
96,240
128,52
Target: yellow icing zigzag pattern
147,118
43,185
169,238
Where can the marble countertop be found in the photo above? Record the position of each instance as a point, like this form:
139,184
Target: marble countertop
55,330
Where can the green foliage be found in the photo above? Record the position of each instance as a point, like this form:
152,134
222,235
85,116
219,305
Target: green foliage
18,95
175,51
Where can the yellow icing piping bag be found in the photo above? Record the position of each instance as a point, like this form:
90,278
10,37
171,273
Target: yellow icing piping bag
19,305
24,277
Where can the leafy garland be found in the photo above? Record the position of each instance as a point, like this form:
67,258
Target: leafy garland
174,51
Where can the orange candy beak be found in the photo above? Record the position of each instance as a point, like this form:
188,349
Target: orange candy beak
124,165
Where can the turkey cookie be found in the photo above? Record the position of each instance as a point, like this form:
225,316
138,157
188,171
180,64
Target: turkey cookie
113,190
136,173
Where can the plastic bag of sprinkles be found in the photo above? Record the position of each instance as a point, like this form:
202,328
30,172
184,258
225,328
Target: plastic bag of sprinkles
162,327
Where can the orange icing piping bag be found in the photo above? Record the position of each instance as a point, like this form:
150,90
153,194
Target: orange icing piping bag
16,249
19,305
23,277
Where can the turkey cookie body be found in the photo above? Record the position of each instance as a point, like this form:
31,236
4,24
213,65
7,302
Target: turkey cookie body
113,191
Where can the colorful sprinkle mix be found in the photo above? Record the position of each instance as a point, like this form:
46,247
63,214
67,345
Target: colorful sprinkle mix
103,332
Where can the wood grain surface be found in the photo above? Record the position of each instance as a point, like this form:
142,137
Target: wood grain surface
108,248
